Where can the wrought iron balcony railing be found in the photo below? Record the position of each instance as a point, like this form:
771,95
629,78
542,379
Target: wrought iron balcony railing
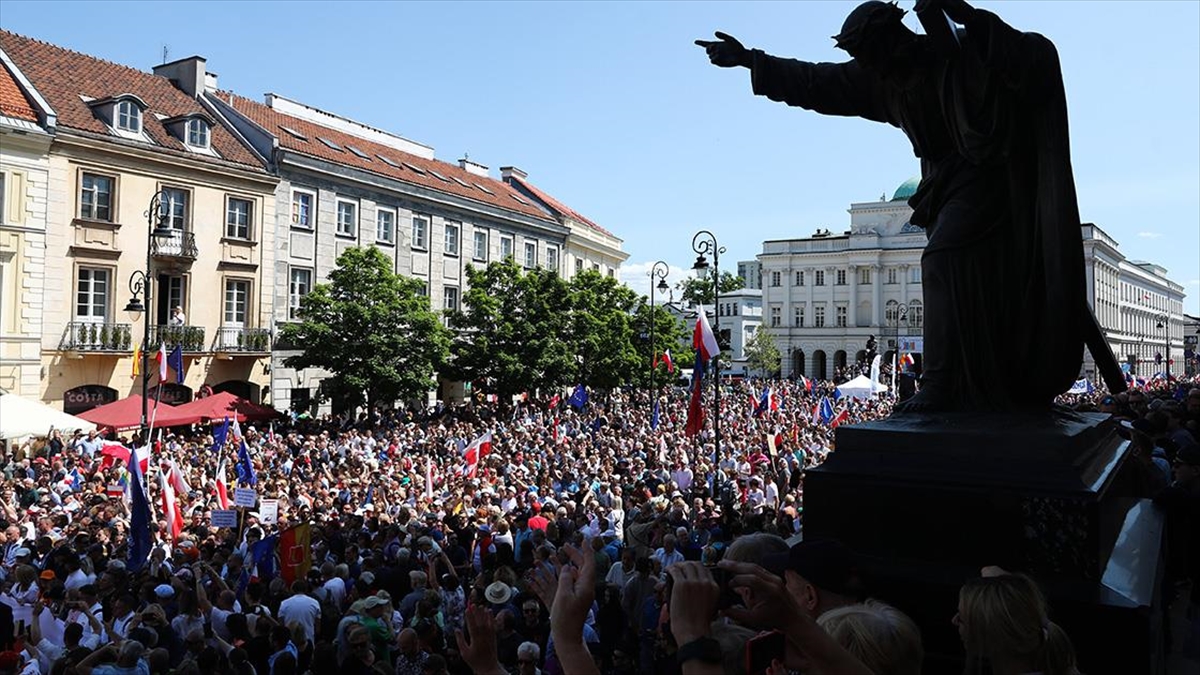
91,336
191,338
182,244
243,340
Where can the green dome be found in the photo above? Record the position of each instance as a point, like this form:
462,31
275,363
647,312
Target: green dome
907,189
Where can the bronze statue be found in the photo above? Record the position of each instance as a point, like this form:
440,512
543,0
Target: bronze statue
1006,316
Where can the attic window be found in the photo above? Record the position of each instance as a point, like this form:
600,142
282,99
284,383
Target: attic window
460,182
439,176
128,117
484,189
330,144
197,133
358,152
389,162
517,197
293,133
417,169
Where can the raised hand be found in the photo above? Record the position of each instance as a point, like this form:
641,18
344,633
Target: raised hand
479,651
726,51
694,599
576,590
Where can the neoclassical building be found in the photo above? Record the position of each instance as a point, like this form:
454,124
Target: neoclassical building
825,294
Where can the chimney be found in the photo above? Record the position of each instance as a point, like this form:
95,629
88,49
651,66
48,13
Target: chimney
507,172
188,75
473,167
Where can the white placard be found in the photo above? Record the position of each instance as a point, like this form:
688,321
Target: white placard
268,511
227,518
245,497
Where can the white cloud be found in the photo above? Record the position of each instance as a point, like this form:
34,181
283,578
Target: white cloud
1149,235
636,276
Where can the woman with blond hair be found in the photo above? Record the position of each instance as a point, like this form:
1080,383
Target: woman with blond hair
882,637
1003,622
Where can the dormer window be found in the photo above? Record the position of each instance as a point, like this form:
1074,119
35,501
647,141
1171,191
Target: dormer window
129,116
197,133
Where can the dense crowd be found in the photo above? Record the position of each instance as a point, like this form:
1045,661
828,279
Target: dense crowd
593,539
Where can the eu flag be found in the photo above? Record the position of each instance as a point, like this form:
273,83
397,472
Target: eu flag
175,361
139,520
579,397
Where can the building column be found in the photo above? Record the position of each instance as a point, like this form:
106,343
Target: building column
904,284
876,296
852,309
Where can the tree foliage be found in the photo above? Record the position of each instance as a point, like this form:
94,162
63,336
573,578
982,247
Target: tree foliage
669,333
372,329
696,291
762,354
602,330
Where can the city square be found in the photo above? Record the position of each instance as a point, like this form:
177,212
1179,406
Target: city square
283,390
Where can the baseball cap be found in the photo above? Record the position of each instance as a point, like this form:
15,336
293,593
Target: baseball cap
825,563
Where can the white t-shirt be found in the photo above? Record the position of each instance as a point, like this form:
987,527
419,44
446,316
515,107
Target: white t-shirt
303,610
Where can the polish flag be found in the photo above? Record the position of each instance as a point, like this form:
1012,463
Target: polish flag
665,358
478,449
806,383
161,357
222,489
114,451
171,512
177,480
703,338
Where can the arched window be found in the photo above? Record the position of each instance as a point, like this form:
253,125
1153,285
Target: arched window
197,133
129,116
891,314
915,314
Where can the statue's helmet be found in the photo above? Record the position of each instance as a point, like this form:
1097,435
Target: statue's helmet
864,22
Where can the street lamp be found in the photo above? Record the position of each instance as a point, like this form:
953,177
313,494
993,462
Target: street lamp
705,243
140,281
658,271
1164,324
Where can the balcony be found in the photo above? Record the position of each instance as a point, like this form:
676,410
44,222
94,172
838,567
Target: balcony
242,341
92,337
180,246
191,338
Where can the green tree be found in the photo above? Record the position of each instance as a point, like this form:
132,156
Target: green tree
762,354
371,328
602,330
669,333
511,333
697,291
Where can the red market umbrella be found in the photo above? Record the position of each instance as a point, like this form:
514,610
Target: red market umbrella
217,407
127,414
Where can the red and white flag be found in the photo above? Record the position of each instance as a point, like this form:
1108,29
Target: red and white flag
703,338
171,512
478,449
112,450
665,359
161,357
429,479
222,488
177,480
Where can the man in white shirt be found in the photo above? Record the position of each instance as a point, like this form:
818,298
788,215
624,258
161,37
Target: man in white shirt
667,555
682,476
302,609
177,317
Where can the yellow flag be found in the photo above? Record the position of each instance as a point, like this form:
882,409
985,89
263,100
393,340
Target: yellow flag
137,361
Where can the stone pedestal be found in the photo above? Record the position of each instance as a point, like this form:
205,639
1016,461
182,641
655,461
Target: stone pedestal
929,500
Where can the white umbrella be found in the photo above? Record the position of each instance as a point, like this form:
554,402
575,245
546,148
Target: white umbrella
861,387
20,417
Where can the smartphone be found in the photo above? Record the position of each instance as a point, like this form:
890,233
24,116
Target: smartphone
729,596
761,650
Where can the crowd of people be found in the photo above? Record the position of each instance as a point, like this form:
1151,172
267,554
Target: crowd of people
597,539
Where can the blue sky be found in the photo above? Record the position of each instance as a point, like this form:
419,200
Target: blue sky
610,107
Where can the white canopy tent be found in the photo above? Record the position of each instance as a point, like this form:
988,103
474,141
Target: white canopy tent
861,387
19,417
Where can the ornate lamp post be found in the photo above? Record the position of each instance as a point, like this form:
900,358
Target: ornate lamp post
658,271
140,281
705,243
1164,324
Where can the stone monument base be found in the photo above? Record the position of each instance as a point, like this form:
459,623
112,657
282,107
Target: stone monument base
927,500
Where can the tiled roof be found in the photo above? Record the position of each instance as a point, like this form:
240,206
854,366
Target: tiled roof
319,142
12,100
561,208
63,76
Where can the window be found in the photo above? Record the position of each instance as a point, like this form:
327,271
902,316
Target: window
175,208
595,267
819,315
530,254
385,226
347,218
420,232
800,278
129,117
450,295
841,277
820,278
578,265
506,248
91,294
423,290
552,259
239,216
864,276
891,276
891,313
776,312
451,239
2,199
914,275
303,209
775,278
840,313
798,316
237,294
197,133
915,313
299,284
96,197
481,245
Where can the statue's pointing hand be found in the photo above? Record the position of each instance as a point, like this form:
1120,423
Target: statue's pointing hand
726,51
